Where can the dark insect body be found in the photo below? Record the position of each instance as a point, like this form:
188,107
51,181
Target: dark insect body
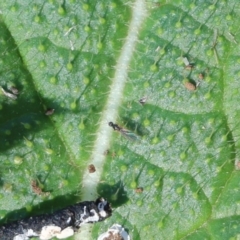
129,135
114,126
61,224
143,100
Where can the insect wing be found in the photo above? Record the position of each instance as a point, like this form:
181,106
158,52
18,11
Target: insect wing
129,135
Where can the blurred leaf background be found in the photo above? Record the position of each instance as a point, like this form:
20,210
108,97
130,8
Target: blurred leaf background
62,55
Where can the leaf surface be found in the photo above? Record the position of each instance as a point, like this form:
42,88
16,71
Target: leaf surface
70,57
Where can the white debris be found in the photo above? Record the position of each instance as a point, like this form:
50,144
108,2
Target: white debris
115,230
71,44
28,233
21,237
67,232
94,218
69,30
31,233
49,232
14,90
185,61
10,95
101,207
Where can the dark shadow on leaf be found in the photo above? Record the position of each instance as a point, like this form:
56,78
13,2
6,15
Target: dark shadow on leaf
115,194
22,118
1,181
22,111
135,126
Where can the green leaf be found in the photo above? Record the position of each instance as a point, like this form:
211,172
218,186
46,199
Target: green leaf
92,62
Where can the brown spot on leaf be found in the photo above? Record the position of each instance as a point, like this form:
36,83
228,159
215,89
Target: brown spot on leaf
37,190
201,76
114,236
139,190
91,168
190,86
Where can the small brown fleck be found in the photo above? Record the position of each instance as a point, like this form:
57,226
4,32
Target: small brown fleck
114,236
201,76
91,168
106,152
237,165
189,67
49,111
190,86
139,190
36,189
